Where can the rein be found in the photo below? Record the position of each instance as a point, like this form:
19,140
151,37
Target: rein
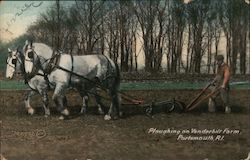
72,68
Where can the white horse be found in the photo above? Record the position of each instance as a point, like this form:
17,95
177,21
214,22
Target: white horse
81,72
37,83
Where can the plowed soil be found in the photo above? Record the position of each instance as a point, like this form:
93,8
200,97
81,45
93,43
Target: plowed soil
25,137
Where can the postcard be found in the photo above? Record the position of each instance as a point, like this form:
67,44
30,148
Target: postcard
125,80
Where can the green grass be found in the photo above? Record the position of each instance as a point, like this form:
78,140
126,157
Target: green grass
160,85
13,85
19,85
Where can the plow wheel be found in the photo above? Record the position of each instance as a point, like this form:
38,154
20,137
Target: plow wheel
165,106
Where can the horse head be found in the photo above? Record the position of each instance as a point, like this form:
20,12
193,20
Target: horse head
14,62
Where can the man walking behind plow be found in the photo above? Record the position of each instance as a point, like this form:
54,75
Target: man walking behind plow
221,82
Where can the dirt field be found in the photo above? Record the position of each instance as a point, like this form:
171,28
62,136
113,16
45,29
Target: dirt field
25,137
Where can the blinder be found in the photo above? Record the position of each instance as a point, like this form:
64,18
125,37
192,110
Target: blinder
30,54
14,61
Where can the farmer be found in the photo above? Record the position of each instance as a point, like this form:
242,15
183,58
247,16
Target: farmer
221,81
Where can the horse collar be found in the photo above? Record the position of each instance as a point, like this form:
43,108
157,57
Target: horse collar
53,62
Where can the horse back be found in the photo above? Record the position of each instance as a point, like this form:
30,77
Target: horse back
87,65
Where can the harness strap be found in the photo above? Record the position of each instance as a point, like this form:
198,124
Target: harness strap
26,82
72,68
125,96
53,61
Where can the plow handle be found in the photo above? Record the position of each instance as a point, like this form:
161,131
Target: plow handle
209,95
132,100
197,97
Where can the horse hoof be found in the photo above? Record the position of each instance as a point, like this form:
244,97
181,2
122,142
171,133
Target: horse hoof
81,113
100,112
61,118
65,112
115,117
31,111
47,113
107,117
121,114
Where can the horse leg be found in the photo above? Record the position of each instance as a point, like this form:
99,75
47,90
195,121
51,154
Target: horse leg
85,99
45,100
60,100
98,102
46,105
65,101
27,102
114,107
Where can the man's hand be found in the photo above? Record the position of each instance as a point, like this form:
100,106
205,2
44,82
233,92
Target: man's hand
223,86
213,82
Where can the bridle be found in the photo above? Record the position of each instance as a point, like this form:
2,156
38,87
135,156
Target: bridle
31,56
13,62
38,63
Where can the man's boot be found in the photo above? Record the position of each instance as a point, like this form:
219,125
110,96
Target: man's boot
211,105
227,109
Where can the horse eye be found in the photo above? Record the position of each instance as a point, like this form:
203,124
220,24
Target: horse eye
13,61
30,55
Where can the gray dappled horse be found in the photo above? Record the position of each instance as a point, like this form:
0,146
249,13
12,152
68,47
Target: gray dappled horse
37,83
81,72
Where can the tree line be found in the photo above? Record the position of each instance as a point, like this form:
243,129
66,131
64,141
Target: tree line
123,29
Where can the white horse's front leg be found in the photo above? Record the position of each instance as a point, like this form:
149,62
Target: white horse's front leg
27,102
99,104
114,110
108,117
85,99
59,99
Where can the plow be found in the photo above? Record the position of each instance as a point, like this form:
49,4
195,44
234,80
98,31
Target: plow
166,106
174,105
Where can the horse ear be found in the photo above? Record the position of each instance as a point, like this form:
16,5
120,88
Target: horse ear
25,46
9,52
31,43
26,42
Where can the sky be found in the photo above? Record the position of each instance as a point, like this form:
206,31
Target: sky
16,16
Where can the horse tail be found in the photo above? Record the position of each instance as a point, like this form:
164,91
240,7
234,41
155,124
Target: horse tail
117,84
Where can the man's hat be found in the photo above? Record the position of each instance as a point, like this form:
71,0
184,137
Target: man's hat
219,57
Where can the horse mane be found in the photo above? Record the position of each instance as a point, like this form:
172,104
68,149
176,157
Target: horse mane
22,58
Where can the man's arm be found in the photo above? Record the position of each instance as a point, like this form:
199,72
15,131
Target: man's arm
226,77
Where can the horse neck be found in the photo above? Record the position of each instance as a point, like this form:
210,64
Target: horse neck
22,66
42,63
44,54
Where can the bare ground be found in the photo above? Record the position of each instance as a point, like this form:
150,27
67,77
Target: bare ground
25,137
